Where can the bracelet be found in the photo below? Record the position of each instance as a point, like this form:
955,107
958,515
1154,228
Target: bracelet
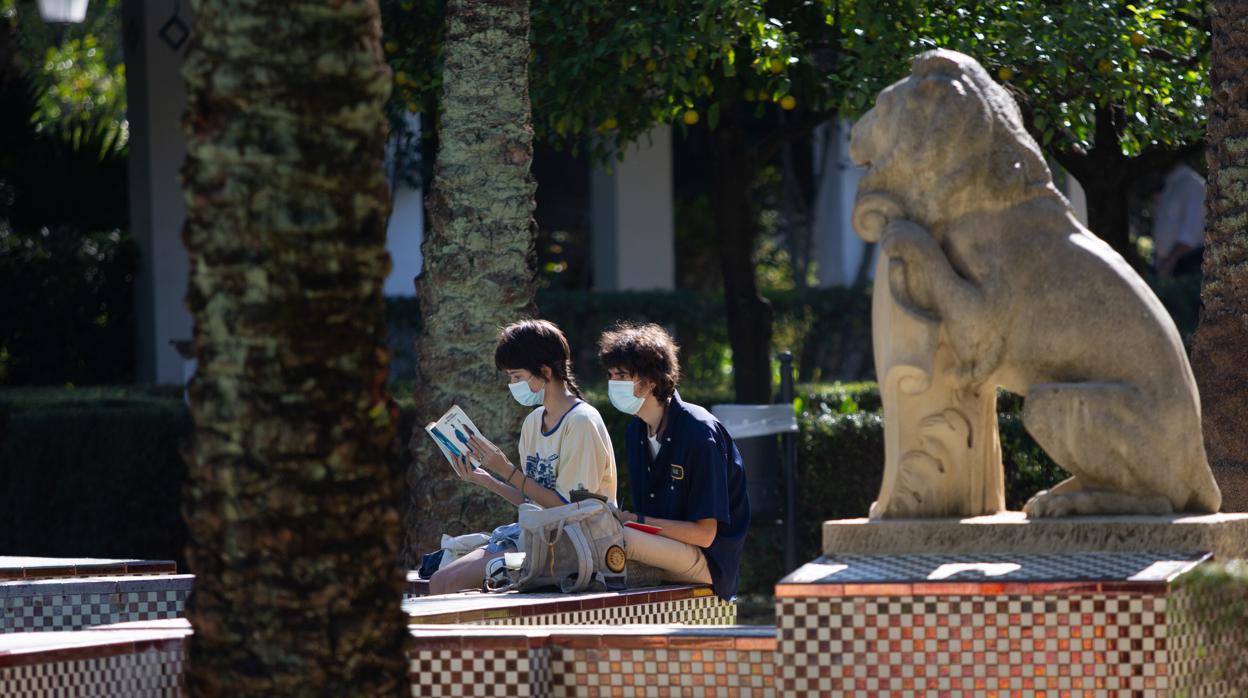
641,518
511,474
522,484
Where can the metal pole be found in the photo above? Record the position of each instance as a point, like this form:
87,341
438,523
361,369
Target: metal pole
789,442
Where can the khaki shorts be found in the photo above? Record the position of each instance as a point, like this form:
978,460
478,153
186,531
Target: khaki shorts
681,563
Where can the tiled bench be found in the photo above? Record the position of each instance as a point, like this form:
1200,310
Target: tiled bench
592,660
18,567
1084,624
691,605
135,659
147,659
69,594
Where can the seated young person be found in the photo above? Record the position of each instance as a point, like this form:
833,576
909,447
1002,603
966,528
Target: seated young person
564,443
686,474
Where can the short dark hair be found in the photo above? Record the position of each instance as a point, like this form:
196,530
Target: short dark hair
532,345
645,351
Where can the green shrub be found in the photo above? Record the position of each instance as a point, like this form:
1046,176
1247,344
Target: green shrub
1209,623
92,472
67,311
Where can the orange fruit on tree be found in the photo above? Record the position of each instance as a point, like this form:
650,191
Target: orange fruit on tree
690,117
788,102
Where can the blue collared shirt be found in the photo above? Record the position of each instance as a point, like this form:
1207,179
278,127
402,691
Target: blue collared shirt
697,474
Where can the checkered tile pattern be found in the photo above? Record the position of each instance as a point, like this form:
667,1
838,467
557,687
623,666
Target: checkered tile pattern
485,672
1013,567
705,610
906,647
1209,651
73,611
662,672
152,673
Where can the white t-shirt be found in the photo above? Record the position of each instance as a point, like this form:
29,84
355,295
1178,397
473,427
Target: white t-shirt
1180,213
576,453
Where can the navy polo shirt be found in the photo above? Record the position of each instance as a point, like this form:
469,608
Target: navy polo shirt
697,474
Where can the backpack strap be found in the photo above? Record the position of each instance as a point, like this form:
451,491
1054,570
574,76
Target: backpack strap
584,560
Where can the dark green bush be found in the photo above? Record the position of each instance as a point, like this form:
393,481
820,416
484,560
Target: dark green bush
67,315
92,472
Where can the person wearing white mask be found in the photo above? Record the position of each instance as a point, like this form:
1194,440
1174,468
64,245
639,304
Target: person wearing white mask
685,473
564,444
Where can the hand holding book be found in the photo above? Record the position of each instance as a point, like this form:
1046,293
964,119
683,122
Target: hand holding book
453,434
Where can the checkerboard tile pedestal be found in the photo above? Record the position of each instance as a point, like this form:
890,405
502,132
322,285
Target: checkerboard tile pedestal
979,625
588,660
690,605
58,593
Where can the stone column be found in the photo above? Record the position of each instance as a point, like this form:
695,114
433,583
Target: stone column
632,221
156,99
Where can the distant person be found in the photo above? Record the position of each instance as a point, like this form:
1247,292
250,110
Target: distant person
685,472
564,444
1179,223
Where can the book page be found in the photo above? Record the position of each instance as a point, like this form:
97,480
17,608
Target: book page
451,433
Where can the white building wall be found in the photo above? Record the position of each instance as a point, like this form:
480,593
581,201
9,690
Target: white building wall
633,244
838,250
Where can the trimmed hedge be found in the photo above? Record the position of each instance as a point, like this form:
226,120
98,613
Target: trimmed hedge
97,471
92,472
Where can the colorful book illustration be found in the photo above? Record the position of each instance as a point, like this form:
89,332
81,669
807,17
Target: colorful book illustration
451,433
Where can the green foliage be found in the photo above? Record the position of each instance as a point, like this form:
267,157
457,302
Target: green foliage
92,472
1209,616
68,310
1064,60
604,74
80,69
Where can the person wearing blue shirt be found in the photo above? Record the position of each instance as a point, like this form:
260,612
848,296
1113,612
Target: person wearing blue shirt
686,474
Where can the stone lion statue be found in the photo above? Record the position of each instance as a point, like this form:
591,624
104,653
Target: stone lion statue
987,279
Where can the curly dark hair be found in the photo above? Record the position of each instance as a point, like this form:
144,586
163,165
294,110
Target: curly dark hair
532,345
644,351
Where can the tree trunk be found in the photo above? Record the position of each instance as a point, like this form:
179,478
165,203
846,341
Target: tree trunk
294,484
1219,347
748,314
1107,212
479,270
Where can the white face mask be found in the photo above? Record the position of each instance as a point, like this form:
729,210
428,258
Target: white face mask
621,394
524,395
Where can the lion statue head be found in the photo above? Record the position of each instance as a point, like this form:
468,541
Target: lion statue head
946,141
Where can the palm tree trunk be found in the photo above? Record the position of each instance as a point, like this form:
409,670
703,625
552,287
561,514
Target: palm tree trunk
294,480
1221,341
479,260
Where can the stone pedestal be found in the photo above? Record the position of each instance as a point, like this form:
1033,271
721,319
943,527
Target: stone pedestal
1006,606
1225,536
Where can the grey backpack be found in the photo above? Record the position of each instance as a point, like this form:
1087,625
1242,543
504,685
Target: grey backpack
576,547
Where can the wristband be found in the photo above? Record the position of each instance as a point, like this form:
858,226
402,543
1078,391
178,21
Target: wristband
511,474
641,518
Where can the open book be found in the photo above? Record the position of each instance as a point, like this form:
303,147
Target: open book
451,433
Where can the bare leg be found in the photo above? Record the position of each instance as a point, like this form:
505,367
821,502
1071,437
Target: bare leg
468,572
